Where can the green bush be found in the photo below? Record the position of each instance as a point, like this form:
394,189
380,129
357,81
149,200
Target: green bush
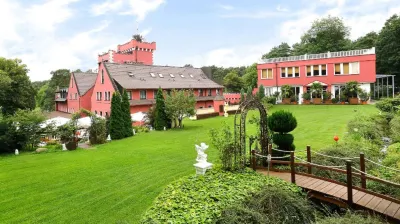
201,199
395,129
284,141
353,218
269,100
230,157
97,131
282,122
270,205
141,129
394,148
372,127
390,105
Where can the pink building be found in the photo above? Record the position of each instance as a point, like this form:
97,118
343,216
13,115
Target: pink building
331,69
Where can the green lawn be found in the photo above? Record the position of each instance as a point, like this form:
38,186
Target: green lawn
117,182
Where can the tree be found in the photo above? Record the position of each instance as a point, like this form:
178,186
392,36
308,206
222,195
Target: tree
138,38
60,78
233,82
37,85
161,116
326,34
365,42
97,130
261,92
188,66
180,103
249,92
126,115
41,95
242,96
388,48
282,50
77,70
17,91
116,118
250,78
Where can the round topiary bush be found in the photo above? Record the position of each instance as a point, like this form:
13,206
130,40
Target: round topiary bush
283,140
282,122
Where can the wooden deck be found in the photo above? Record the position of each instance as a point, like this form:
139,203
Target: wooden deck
338,192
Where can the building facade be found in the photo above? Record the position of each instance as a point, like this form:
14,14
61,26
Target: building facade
331,69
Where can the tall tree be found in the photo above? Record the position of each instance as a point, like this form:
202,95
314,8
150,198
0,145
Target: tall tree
60,78
250,78
161,116
180,103
282,50
242,95
116,119
326,34
249,93
188,66
261,92
365,42
388,48
41,95
17,91
126,115
233,82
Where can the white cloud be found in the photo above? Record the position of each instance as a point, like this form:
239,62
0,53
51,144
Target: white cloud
145,32
105,7
279,8
226,7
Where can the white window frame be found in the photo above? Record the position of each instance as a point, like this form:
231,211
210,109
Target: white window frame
140,94
272,71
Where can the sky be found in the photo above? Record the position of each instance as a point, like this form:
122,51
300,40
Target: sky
53,34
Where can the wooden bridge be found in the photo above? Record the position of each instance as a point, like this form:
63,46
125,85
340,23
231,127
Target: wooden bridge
332,191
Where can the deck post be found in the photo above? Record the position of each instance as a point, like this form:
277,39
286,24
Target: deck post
309,168
253,159
292,170
349,183
362,168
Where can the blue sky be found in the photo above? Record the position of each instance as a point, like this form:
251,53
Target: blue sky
53,34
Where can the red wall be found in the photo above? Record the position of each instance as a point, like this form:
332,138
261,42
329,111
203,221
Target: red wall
73,104
367,71
140,108
232,97
62,106
104,106
86,100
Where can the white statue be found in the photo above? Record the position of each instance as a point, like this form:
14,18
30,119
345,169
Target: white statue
108,138
16,152
202,165
134,132
64,148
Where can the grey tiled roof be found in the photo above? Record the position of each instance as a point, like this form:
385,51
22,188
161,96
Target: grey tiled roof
153,101
84,81
141,78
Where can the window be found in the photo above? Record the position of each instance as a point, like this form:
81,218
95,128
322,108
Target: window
172,75
289,72
152,75
355,68
315,70
100,95
347,68
76,96
296,72
154,94
200,92
191,76
129,95
283,72
95,112
323,69
161,75
217,92
101,113
309,70
209,92
106,114
143,94
102,76
182,76
269,91
70,96
337,69
266,73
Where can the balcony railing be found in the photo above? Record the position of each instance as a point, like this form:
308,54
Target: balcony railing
321,56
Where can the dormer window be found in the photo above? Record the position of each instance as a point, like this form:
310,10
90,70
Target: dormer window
182,76
161,75
191,76
152,75
172,75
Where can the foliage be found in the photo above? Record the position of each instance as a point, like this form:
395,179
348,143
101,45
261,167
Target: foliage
233,82
10,137
327,95
108,124
335,100
388,104
282,50
364,96
16,91
66,132
388,49
282,122
41,95
250,77
342,97
117,130
284,141
242,95
367,41
349,217
269,100
229,153
161,118
351,89
372,128
395,129
97,131
59,78
126,115
306,96
249,93
139,38
316,90
151,116
270,205
180,103
286,91
201,199
141,129
261,92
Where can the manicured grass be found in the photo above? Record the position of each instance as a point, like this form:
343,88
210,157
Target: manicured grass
117,182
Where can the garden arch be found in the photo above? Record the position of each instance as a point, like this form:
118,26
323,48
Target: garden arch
240,126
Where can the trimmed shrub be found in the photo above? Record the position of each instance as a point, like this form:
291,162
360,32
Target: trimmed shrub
126,115
161,119
201,199
271,205
116,118
284,141
282,122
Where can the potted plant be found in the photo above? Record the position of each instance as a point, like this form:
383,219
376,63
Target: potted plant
306,98
335,100
67,136
351,90
294,99
316,91
364,96
327,97
286,94
342,98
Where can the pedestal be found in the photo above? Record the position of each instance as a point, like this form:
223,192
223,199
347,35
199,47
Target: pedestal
202,167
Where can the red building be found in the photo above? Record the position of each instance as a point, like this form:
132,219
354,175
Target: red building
131,68
331,69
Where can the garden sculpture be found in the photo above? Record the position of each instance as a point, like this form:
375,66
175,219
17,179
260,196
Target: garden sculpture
202,165
64,148
16,152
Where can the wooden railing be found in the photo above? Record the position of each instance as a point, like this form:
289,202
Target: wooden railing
348,171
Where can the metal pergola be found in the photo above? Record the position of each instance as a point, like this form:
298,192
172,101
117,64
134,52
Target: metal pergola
382,87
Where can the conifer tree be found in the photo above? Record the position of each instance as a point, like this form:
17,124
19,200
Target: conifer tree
126,115
261,92
242,97
116,121
161,116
